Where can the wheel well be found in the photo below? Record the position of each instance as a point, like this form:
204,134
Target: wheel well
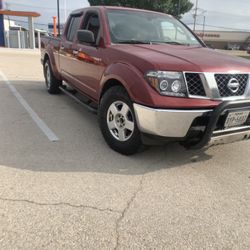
46,58
109,84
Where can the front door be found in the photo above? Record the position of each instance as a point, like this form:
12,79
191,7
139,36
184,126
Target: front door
88,64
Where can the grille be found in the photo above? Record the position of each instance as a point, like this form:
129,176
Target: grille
223,80
195,85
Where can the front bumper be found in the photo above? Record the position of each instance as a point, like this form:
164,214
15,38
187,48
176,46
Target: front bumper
195,128
166,122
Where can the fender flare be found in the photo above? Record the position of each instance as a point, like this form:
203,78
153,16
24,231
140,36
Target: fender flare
130,78
49,53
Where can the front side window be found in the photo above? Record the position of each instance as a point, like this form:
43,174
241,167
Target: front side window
73,27
93,24
147,27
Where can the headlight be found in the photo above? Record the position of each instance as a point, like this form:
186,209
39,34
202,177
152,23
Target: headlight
167,83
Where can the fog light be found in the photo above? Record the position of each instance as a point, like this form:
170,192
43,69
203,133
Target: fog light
164,85
176,86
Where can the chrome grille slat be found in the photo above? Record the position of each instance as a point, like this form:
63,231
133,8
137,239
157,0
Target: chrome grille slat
223,80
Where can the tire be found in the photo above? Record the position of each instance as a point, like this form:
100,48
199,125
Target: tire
52,84
117,122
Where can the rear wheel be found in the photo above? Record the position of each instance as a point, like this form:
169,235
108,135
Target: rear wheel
52,84
117,122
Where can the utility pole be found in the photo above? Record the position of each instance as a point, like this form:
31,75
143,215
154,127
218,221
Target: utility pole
195,14
58,17
204,23
179,8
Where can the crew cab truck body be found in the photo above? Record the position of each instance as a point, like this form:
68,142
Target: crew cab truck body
150,78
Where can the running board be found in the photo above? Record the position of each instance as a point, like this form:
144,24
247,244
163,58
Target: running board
93,110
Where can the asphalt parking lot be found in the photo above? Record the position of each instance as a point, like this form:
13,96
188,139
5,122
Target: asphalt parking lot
76,193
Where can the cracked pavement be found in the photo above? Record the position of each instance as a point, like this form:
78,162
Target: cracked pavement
78,194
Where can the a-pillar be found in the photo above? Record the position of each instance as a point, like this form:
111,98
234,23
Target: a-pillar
31,33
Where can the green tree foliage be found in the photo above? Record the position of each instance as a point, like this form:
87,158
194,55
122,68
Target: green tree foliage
173,7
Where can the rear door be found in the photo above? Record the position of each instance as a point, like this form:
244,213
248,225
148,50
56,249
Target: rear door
67,56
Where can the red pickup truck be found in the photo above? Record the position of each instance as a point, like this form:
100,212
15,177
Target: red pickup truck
150,79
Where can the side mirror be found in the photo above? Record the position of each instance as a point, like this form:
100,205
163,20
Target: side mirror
85,36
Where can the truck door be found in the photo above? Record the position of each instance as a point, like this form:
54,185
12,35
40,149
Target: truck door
66,55
88,64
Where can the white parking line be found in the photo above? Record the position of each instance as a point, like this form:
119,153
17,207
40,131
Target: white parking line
39,122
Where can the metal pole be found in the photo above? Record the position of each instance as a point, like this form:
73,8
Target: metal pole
195,14
39,39
58,17
19,39
65,11
8,38
204,23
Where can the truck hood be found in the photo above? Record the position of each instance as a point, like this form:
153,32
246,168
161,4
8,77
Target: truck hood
185,58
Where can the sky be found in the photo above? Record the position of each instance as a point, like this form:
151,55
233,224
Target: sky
224,14
47,9
220,14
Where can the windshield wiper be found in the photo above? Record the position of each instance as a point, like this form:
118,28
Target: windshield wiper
151,42
171,42
133,42
177,43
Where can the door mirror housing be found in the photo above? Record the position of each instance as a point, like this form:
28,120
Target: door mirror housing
86,36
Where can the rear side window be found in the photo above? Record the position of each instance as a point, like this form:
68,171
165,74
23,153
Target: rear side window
73,27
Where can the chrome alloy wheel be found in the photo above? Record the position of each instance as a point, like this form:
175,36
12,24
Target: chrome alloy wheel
47,75
120,121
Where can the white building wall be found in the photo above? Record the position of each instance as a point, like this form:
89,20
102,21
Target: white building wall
8,24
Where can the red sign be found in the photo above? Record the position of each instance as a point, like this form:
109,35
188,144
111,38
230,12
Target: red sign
210,35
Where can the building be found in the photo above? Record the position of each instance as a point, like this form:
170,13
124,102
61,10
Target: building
237,40
17,36
11,25
31,30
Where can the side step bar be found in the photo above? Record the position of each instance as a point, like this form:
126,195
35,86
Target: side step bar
93,110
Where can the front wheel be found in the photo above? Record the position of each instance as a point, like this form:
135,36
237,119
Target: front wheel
117,122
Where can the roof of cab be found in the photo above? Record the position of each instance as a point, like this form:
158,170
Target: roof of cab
80,11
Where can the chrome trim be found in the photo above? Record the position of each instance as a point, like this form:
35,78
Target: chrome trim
229,138
208,90
185,81
211,84
211,87
247,93
166,122
233,130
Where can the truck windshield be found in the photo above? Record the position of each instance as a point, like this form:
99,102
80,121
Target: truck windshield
138,27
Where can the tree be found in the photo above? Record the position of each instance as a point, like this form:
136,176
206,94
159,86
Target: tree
173,7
